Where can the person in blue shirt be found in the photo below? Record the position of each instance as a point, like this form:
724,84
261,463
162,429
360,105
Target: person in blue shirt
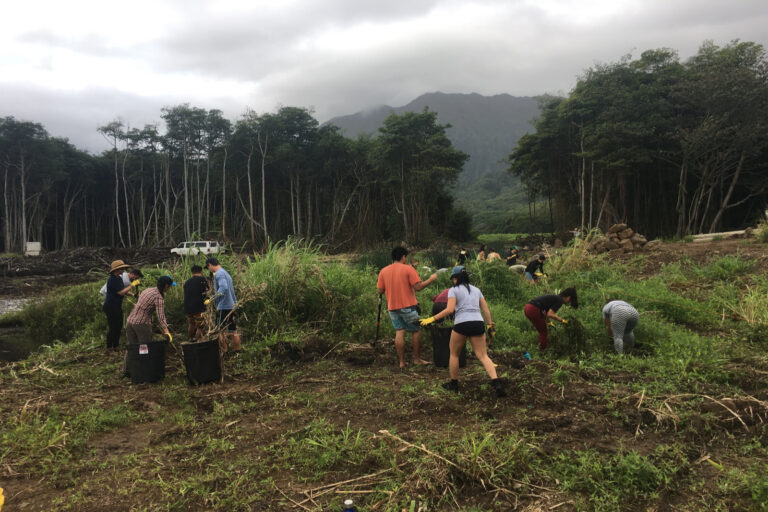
226,303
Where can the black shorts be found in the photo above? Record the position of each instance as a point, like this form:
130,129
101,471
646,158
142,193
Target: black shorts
226,319
470,328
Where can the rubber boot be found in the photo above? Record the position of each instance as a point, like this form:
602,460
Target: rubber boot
499,387
452,385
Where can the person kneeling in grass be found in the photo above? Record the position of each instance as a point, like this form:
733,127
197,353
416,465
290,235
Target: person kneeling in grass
544,308
620,320
469,305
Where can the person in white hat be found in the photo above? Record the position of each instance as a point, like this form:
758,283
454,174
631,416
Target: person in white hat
113,302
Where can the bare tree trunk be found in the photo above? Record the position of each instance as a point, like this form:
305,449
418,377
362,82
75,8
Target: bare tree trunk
293,207
125,197
250,198
7,211
591,192
187,206
23,177
406,230
263,149
727,198
224,195
581,181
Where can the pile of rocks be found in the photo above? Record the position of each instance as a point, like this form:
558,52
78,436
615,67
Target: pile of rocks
622,238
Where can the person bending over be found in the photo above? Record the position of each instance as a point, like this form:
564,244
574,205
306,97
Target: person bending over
544,308
620,320
535,269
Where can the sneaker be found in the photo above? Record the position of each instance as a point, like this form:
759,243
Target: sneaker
451,385
498,386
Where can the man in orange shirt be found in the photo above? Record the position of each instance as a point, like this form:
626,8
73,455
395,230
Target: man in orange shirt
399,281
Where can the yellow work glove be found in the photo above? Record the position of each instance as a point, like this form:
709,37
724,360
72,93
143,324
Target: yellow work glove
551,323
565,321
135,282
539,274
170,338
427,321
207,301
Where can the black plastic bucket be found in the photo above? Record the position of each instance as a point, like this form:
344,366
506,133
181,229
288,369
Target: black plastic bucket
441,338
146,361
201,359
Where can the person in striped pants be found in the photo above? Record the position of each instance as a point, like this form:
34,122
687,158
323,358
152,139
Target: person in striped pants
620,320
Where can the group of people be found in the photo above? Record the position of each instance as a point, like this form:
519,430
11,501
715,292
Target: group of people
532,271
465,302
124,281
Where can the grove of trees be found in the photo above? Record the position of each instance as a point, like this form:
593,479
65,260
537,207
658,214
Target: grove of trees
264,177
671,148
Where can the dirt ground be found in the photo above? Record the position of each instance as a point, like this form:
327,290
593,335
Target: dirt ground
360,387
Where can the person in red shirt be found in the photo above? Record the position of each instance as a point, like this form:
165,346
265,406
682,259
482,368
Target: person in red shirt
399,282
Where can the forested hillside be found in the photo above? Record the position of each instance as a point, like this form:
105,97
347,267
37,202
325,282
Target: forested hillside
669,147
484,127
263,177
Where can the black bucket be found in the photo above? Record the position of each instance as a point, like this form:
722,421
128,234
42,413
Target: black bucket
201,359
146,361
441,338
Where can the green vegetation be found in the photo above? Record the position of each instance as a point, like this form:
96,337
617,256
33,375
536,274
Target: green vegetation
680,423
626,126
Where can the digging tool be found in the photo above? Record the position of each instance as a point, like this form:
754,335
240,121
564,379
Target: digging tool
378,323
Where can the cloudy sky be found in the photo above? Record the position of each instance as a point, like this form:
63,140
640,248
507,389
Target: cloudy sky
76,64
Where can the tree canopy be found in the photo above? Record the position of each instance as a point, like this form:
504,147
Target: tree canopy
262,178
670,147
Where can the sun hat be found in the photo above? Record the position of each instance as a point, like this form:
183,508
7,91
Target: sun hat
117,265
458,269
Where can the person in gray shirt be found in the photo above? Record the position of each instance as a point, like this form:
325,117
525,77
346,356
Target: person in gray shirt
620,320
469,305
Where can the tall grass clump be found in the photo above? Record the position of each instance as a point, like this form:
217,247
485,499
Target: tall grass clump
376,258
438,257
61,315
497,282
723,269
289,286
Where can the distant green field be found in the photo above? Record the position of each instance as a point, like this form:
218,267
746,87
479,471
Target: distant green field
507,238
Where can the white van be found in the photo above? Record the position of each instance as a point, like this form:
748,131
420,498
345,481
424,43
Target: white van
194,248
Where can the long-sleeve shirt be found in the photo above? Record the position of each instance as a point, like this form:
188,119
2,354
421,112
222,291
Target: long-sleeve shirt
150,300
225,290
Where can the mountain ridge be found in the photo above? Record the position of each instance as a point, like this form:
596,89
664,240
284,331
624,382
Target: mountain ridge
485,127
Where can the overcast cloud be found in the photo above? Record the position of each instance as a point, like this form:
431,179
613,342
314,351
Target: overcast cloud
74,65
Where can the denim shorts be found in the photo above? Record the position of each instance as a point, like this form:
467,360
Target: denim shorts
406,318
530,276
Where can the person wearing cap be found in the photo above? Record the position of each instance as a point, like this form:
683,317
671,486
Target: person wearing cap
493,255
195,290
543,309
226,302
469,306
512,256
114,290
620,319
399,282
535,269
